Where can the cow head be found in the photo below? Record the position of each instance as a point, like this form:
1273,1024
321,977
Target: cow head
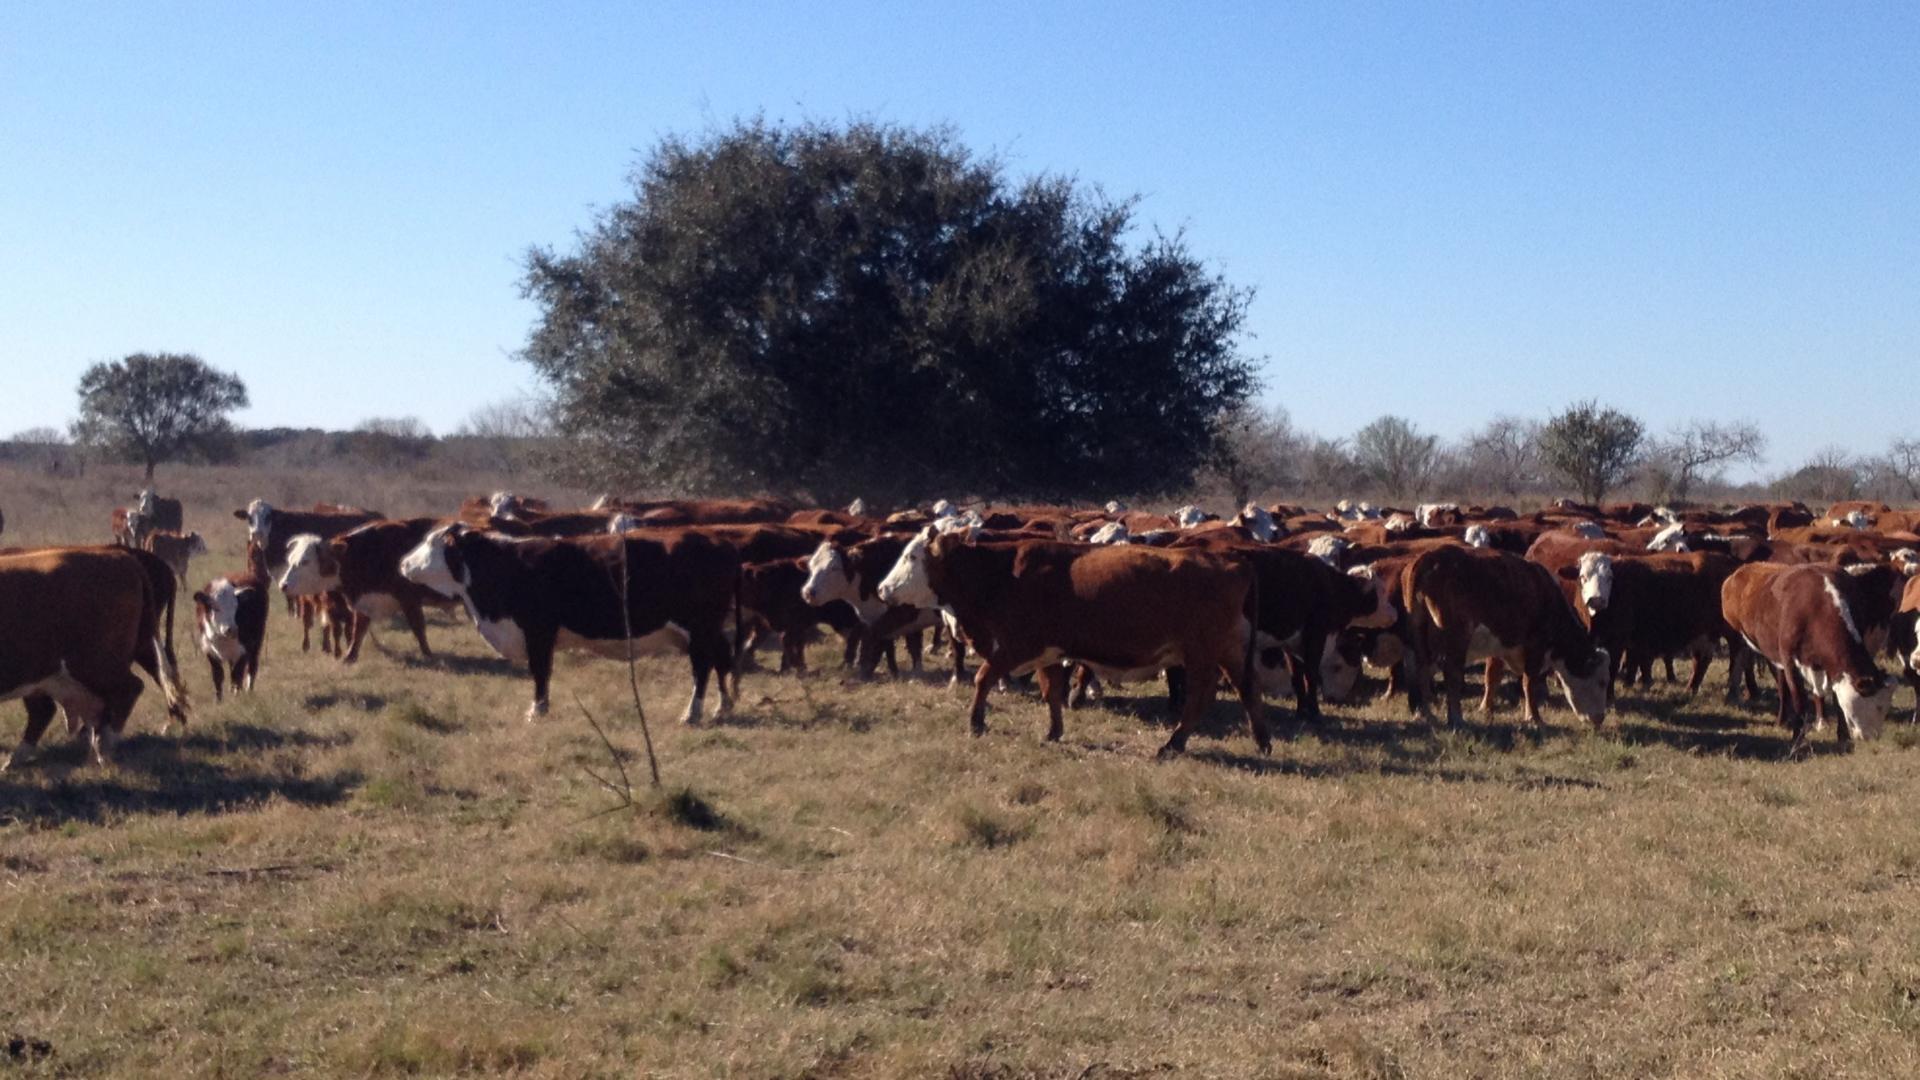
857,508
503,504
1340,667
145,504
1113,532
1671,538
1188,516
1589,530
1115,506
1477,536
828,577
1380,610
1856,519
622,522
438,563
219,607
259,518
312,567
1327,548
1595,574
909,582
942,508
1258,522
1434,515
196,544
1864,701
1583,679
1906,560
1398,523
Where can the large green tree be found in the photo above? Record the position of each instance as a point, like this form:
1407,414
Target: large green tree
1591,447
872,310
154,407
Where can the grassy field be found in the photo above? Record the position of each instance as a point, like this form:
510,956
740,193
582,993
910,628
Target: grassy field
385,871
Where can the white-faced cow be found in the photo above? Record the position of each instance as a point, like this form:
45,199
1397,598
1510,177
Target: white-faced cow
1800,620
363,565
231,613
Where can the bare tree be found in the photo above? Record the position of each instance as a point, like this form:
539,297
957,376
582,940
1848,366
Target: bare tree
505,435
1257,449
48,449
1326,467
1688,452
388,442
1395,455
1830,475
1502,457
1901,465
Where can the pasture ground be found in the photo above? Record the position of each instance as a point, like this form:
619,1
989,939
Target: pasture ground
384,870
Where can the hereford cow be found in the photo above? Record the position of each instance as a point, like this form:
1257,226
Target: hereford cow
175,550
271,529
1799,619
160,514
1467,604
528,597
231,613
770,591
1125,611
363,566
73,622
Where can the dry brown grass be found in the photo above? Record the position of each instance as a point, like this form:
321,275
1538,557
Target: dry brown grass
384,871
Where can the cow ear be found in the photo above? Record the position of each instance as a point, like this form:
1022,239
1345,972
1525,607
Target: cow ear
201,598
241,514
1571,573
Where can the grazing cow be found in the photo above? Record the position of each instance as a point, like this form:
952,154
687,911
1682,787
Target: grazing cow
1799,619
529,596
1466,604
175,550
363,566
1665,606
1124,611
73,621
232,615
271,529
771,591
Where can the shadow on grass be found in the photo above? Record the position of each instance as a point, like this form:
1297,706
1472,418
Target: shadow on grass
327,699
454,663
232,736
154,774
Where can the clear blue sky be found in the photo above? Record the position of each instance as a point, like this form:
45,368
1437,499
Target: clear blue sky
1684,209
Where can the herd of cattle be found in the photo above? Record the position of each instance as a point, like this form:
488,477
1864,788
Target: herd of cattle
1279,600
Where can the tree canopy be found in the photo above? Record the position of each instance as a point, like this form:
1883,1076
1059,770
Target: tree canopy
1592,448
155,407
873,310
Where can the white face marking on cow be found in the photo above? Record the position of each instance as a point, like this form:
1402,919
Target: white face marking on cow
1865,714
426,565
622,522
303,576
223,609
966,524
857,508
827,577
1906,560
503,504
145,502
1429,514
1589,530
1255,519
1327,549
1671,538
1338,677
1113,532
1399,523
259,520
1188,516
1840,605
1596,581
1477,536
197,544
1586,694
1383,614
1857,520
907,582
942,508
1115,506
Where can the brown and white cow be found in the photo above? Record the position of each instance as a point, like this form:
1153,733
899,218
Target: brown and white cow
1465,604
160,513
1800,620
1126,612
271,528
73,622
363,566
770,591
231,613
529,596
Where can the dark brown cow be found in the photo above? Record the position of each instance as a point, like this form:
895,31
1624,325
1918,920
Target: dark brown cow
771,591
528,597
672,512
1123,610
1799,619
555,525
271,529
1666,606
73,621
363,566
175,550
231,615
1465,604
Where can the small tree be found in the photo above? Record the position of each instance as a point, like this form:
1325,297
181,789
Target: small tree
1503,457
154,407
1592,448
1256,452
1829,476
1704,444
1395,455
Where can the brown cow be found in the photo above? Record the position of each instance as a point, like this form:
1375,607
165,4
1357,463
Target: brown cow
1799,619
363,566
1124,611
73,621
271,529
1465,604
771,592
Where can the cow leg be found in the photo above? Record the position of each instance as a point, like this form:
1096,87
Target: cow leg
1053,687
1701,657
540,643
1490,683
1198,699
1254,704
1306,676
959,660
915,642
1176,690
219,670
40,710
306,628
1671,678
849,648
1532,685
1085,684
361,624
1453,668
417,622
983,681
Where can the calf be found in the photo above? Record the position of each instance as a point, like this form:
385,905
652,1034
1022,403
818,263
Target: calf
232,615
1124,611
1466,604
1798,618
771,591
528,597
175,550
363,566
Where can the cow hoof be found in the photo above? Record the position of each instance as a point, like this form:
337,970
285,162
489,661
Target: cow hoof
1169,752
536,710
1266,747
977,730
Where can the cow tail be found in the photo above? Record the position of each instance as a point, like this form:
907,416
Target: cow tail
167,673
739,625
166,670
1252,605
